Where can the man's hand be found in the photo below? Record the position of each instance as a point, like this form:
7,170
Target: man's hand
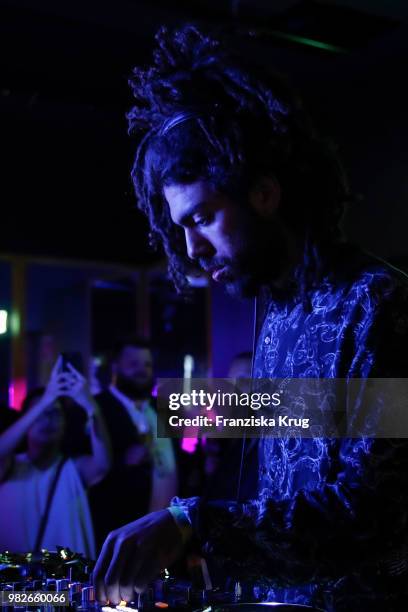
134,555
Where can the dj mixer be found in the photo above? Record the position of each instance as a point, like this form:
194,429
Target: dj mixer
63,581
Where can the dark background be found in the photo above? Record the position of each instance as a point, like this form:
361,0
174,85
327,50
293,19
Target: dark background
65,187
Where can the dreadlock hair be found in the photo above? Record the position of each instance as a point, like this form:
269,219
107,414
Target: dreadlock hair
246,124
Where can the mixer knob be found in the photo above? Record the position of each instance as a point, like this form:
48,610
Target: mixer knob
9,586
88,596
187,593
75,587
237,590
62,585
28,586
180,593
144,599
149,595
37,585
158,590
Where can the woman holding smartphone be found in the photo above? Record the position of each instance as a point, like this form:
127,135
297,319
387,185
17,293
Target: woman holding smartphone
43,497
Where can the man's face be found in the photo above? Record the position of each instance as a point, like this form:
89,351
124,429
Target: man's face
227,239
134,371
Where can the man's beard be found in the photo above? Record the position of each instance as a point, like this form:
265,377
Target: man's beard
261,256
132,388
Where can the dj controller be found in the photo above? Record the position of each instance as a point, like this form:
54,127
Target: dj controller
63,581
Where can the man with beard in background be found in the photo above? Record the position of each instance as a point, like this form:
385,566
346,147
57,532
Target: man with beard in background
144,476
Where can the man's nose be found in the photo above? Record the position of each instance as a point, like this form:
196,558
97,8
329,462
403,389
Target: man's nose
196,244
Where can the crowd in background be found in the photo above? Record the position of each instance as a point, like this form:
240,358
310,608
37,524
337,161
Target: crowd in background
75,466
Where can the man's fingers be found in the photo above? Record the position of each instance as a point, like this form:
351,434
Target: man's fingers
113,576
148,572
101,568
132,556
127,592
129,576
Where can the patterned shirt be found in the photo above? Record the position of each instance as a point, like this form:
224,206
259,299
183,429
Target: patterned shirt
329,525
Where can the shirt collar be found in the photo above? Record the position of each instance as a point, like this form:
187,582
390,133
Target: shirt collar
123,399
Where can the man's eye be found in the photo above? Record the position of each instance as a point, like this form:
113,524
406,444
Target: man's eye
204,220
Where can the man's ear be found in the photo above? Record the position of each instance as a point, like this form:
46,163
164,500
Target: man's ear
265,196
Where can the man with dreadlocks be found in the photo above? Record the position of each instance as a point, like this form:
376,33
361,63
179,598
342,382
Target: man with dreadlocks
234,179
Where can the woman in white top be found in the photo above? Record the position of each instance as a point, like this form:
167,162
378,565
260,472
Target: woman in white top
26,478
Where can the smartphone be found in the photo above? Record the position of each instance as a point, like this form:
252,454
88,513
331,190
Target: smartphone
75,359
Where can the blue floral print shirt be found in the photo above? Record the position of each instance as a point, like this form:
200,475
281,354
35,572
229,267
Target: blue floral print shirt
329,524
